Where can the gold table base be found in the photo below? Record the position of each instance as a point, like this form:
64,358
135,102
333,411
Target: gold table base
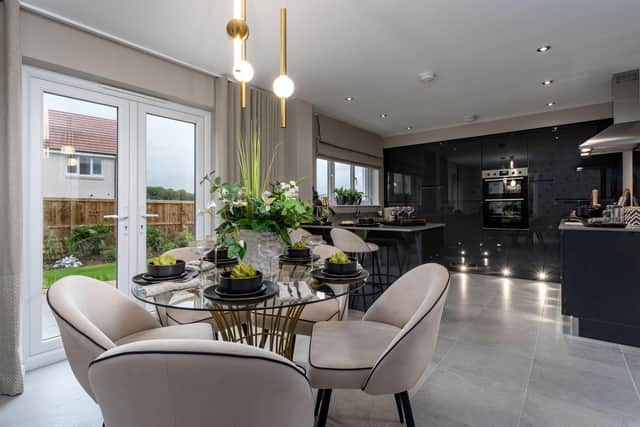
261,325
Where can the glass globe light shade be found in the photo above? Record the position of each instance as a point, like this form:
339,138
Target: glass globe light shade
243,71
283,86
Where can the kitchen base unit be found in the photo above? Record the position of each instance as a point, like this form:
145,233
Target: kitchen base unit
601,282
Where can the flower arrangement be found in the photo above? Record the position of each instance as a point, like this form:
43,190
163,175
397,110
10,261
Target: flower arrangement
256,203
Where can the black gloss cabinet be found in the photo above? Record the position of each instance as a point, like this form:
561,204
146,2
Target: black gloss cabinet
443,181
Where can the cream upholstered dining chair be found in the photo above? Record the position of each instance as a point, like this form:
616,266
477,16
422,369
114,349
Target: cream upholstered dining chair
388,351
197,383
297,234
94,317
332,309
185,254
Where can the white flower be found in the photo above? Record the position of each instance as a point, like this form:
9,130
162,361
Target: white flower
292,183
284,185
241,203
266,195
212,205
225,192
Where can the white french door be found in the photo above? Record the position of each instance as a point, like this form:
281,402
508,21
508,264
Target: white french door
110,179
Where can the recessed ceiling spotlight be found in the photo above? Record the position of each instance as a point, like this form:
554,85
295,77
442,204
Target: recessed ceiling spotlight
543,49
383,115
551,104
409,127
469,118
426,76
547,82
349,98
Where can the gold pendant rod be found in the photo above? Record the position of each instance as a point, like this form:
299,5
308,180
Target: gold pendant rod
243,56
283,41
283,63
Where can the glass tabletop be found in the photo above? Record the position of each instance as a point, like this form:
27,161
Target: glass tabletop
291,287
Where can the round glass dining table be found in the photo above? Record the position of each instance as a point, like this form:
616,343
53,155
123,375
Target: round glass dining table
266,322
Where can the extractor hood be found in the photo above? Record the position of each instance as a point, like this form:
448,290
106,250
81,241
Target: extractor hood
624,134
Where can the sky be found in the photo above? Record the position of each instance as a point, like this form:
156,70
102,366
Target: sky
170,143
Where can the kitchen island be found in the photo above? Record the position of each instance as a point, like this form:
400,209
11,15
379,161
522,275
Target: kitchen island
427,249
601,281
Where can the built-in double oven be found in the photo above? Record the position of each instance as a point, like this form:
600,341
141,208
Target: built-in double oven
505,199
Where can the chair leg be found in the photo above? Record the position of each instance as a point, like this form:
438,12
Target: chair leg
406,405
399,407
318,402
324,408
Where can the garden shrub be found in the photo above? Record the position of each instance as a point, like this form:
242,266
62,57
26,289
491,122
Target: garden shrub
157,242
88,240
183,238
52,248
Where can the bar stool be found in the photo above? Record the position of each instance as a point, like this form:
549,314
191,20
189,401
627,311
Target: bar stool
387,245
353,244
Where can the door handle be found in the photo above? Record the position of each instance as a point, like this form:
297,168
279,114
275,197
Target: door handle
116,217
148,215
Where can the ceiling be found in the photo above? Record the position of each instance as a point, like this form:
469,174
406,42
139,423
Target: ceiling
484,56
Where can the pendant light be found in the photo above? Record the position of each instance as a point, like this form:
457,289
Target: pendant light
238,32
283,86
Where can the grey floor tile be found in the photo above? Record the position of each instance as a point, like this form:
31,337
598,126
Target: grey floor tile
451,399
542,411
483,364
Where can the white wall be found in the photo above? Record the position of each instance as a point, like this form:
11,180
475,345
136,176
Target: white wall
57,184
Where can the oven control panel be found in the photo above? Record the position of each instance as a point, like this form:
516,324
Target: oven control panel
504,173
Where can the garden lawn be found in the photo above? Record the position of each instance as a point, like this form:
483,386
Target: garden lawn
102,272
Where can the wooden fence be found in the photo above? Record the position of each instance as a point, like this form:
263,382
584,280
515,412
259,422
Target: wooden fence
63,215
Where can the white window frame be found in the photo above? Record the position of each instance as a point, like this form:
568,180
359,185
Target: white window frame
368,185
92,159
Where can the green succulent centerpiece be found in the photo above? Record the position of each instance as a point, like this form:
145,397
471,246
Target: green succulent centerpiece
256,203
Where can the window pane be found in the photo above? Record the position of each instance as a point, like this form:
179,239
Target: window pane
77,239
85,165
171,183
342,176
360,178
322,177
97,166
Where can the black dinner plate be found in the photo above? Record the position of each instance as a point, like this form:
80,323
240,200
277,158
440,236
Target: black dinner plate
341,276
321,277
224,294
270,289
144,279
286,258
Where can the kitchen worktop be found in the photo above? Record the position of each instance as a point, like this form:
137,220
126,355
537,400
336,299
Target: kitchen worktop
381,227
574,226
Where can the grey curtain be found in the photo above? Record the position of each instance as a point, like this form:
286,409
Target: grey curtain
11,378
261,114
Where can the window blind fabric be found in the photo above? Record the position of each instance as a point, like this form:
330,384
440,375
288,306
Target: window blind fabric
11,379
340,141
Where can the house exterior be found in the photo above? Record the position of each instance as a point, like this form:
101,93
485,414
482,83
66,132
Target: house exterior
79,156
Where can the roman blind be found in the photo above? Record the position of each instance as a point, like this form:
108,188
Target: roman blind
340,141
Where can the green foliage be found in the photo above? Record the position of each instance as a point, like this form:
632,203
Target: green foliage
299,245
157,242
88,240
243,270
339,258
109,254
161,193
183,238
340,191
52,247
104,272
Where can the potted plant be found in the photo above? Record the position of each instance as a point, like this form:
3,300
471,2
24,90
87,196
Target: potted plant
219,252
242,279
165,266
341,194
357,198
256,210
340,264
298,250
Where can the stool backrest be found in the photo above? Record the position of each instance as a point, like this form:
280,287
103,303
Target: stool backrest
348,242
